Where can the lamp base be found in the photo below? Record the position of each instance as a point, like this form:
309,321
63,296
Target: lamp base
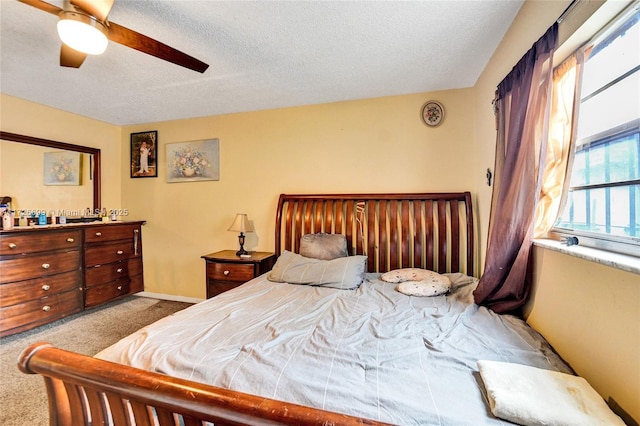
242,251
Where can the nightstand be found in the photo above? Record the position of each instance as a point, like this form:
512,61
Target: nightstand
225,270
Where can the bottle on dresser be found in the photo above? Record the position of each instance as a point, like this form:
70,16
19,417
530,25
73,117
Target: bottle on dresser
7,220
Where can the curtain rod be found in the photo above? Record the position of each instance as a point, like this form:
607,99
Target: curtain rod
568,10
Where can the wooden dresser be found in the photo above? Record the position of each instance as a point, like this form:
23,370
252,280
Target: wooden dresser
51,272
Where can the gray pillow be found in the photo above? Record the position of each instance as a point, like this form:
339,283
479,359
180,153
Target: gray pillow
323,246
345,273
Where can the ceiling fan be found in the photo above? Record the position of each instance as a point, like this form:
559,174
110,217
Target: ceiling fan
91,16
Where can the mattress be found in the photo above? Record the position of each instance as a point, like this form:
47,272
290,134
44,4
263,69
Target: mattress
371,352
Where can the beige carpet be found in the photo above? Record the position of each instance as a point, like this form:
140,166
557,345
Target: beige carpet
23,398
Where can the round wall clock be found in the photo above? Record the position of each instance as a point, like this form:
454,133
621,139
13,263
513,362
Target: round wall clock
432,113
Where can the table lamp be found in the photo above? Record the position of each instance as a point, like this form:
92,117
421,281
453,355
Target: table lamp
241,224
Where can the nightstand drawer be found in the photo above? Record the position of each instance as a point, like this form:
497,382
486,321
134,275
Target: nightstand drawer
214,288
230,272
225,270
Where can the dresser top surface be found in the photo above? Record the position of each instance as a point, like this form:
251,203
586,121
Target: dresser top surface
58,227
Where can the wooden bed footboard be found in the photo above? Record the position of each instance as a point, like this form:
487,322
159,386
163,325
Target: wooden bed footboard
83,390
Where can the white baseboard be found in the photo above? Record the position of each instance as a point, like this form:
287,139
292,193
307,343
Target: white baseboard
168,297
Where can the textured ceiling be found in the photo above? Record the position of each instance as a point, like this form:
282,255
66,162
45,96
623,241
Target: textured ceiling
262,55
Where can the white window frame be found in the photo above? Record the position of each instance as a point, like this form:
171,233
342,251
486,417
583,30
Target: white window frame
606,242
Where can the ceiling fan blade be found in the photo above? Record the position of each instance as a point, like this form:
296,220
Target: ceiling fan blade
70,57
44,6
97,8
142,43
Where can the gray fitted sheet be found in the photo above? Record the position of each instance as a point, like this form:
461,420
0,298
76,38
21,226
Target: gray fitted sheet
370,352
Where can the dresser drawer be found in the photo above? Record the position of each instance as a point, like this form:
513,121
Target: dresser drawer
25,316
137,284
108,253
100,274
36,241
41,265
24,291
98,234
100,294
230,271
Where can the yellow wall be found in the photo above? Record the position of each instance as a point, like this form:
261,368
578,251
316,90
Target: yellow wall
589,314
27,118
375,145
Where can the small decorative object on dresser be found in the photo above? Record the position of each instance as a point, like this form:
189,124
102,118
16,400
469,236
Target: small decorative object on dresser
225,270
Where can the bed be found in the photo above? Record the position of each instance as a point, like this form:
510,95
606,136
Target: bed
276,352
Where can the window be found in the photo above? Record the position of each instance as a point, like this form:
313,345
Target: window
602,204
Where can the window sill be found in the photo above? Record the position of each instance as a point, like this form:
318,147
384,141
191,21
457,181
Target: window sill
614,260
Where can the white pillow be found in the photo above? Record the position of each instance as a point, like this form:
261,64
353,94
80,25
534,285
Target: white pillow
533,396
418,282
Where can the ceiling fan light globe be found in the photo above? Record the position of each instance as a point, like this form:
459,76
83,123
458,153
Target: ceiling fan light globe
82,33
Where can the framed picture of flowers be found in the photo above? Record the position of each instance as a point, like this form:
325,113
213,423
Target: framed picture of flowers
193,161
62,168
144,154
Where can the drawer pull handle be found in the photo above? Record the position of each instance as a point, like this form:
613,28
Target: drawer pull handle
136,237
226,273
119,270
119,252
70,240
12,245
98,234
46,287
119,287
45,266
46,308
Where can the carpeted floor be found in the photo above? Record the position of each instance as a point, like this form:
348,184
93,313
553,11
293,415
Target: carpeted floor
23,398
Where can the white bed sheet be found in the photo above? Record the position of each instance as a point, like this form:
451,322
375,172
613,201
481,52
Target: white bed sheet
370,352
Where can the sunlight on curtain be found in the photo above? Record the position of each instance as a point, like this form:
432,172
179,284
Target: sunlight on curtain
564,105
522,103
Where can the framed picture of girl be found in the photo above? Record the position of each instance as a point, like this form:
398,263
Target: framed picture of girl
144,154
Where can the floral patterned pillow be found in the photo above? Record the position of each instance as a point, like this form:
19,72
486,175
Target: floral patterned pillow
418,282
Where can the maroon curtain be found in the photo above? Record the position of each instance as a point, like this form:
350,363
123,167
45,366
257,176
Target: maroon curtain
521,109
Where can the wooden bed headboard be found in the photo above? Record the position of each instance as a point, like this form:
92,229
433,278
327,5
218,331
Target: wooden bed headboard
431,230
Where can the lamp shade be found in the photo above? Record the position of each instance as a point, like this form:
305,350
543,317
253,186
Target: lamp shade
82,33
241,224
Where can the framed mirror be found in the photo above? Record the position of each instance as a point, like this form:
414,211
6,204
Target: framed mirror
14,167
